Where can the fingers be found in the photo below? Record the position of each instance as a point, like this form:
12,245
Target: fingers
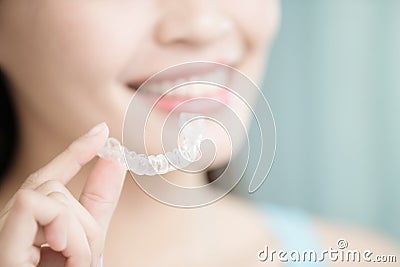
44,211
68,163
76,248
50,258
82,214
102,190
62,231
97,202
95,234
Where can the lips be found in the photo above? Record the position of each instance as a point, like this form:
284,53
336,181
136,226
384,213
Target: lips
188,90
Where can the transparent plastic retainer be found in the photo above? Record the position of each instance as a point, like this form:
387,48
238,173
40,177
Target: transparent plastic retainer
192,128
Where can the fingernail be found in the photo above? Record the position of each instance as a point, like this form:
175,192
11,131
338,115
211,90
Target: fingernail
97,129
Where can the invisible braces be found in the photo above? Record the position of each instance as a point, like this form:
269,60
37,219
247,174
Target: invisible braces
188,151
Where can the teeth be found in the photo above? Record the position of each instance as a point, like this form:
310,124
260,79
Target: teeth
166,86
196,90
195,78
180,92
179,82
210,78
209,89
185,91
219,77
174,92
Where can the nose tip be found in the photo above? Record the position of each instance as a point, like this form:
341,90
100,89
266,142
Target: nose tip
195,24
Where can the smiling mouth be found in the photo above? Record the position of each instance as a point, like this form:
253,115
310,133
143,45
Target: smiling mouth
193,90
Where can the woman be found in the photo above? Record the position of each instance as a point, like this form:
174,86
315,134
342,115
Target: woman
69,65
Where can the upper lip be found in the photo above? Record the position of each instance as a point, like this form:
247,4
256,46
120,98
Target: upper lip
171,76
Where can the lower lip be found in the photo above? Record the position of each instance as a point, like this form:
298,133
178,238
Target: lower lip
198,104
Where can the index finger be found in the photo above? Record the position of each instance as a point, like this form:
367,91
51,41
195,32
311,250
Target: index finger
67,164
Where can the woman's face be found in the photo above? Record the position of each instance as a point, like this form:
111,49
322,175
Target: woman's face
70,62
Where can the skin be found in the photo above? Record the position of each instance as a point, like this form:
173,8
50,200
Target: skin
68,64
44,211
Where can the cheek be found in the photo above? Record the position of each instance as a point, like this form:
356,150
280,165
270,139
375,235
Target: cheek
85,42
68,54
258,22
259,19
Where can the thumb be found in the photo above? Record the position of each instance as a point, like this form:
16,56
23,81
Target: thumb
102,190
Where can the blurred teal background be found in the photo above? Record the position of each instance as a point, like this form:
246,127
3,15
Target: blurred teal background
333,83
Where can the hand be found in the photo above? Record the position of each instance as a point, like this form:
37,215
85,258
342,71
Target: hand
43,211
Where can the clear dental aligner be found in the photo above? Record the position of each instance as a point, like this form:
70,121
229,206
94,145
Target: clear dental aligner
188,151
